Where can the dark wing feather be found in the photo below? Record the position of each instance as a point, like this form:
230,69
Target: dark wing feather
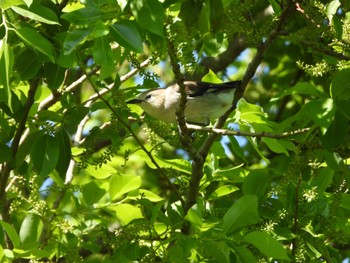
194,88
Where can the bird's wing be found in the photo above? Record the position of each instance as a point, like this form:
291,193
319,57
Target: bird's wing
194,88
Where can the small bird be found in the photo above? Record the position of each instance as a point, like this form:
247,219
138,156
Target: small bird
205,101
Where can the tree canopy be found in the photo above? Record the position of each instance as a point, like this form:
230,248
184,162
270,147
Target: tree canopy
87,178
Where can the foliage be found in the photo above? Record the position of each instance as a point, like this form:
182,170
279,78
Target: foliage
86,177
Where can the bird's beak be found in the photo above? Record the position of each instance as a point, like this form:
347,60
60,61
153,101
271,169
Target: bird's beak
134,101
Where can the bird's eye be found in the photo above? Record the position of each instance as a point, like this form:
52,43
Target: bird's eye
148,96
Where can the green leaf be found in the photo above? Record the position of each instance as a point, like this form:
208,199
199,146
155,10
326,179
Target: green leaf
337,132
83,16
255,183
92,193
11,232
44,154
343,106
65,153
126,34
266,244
180,165
219,251
5,4
340,88
32,38
242,213
74,38
331,9
38,13
103,56
305,88
27,64
5,153
122,184
275,146
28,233
6,65
244,254
26,147
149,14
194,216
211,77
54,75
189,12
102,172
126,213
204,18
250,114
275,6
143,193
222,190
321,112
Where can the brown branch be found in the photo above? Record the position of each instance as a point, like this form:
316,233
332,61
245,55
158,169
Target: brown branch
199,158
223,60
185,136
192,127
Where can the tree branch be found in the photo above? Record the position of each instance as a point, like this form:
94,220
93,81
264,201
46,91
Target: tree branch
5,173
199,158
217,131
185,136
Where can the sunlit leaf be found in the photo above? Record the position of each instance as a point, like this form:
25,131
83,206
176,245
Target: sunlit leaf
29,232
126,213
11,232
222,191
122,184
38,13
83,16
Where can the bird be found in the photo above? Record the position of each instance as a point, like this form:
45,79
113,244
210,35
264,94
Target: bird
205,101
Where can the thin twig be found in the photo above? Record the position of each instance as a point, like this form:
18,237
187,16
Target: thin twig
149,154
192,127
185,136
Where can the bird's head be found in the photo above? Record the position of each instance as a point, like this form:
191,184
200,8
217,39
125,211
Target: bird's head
151,101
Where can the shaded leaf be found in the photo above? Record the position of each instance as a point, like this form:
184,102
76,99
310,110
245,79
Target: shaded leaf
266,244
5,153
127,35
74,38
32,38
340,88
242,213
65,152
44,154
